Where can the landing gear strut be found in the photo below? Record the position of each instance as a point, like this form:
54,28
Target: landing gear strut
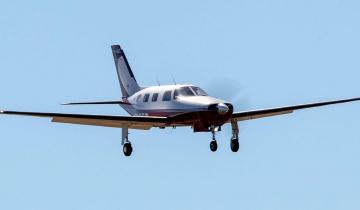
127,148
234,143
213,143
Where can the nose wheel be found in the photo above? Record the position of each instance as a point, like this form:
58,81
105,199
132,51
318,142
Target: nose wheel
213,146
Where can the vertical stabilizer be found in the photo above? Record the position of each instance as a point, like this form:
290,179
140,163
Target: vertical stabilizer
127,80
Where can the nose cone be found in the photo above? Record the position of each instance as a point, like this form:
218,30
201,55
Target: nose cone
222,108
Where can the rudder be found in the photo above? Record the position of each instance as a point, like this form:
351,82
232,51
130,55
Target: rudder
127,80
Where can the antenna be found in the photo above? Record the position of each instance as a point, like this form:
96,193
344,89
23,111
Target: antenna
172,76
157,81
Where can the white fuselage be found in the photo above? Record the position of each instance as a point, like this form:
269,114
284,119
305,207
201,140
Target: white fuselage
164,101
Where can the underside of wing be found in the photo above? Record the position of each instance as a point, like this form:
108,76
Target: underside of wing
254,114
133,122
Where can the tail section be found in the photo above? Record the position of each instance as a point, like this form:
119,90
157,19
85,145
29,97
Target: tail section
127,80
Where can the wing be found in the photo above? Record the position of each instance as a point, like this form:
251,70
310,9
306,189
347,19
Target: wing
96,103
254,114
134,122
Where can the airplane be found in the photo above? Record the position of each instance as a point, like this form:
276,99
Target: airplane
167,106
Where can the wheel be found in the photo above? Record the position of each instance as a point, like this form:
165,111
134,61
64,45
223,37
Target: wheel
127,149
234,144
213,146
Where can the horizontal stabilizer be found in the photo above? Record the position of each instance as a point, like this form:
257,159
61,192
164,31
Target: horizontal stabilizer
96,103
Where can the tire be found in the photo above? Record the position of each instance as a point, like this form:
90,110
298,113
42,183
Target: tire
213,146
234,144
127,149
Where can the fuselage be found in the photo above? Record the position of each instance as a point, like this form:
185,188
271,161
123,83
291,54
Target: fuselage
199,109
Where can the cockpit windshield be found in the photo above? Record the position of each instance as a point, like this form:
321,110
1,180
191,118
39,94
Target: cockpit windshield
192,91
186,91
199,92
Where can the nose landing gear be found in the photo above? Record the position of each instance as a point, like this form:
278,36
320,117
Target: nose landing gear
213,143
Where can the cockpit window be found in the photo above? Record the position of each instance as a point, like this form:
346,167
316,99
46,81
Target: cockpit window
176,94
199,92
190,91
186,91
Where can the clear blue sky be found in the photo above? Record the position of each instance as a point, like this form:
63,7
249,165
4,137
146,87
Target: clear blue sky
259,53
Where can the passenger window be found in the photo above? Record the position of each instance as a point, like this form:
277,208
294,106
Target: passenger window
154,97
138,98
176,94
146,97
167,96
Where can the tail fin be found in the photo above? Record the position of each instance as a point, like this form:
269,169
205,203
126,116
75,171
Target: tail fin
127,80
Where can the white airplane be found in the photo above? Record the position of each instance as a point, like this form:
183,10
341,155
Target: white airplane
168,106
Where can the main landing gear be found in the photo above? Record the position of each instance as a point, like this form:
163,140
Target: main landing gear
127,148
234,142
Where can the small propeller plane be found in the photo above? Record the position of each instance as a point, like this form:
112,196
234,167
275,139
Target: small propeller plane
168,106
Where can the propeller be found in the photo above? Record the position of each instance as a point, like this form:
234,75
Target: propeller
229,90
